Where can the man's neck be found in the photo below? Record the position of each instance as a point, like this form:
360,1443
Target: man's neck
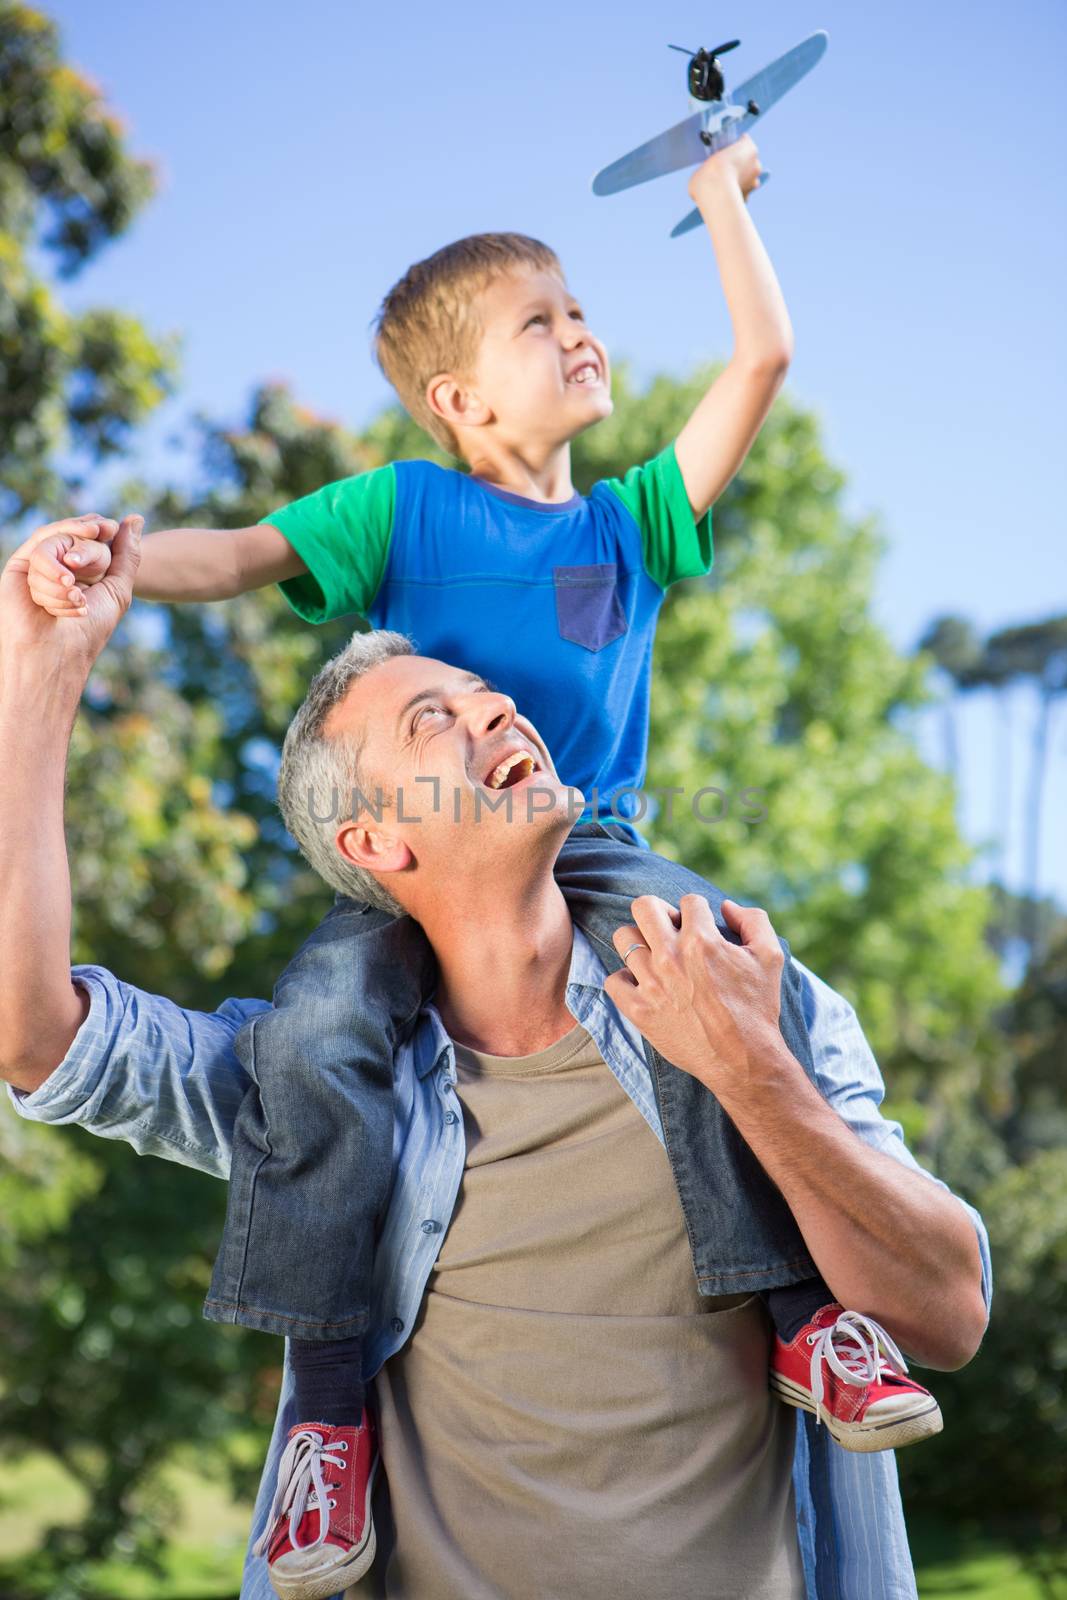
503,955
536,472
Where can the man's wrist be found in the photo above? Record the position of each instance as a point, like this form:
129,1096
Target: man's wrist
42,692
762,1085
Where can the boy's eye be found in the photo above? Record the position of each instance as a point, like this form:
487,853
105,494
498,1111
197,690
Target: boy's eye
540,317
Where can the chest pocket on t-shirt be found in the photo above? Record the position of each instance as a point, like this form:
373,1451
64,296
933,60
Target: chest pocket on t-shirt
588,609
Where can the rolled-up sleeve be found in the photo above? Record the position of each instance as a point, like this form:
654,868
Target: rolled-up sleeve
165,1079
850,1079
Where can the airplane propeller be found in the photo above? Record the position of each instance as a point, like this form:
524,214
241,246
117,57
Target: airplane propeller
719,50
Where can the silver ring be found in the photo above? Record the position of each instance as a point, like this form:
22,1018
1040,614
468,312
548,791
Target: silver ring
638,946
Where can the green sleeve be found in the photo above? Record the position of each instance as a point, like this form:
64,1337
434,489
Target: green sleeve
342,533
674,546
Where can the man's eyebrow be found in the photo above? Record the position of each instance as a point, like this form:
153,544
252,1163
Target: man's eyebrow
435,694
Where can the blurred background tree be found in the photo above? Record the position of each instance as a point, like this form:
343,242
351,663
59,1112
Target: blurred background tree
71,387
775,693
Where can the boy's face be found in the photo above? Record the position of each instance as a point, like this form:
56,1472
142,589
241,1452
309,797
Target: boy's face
538,369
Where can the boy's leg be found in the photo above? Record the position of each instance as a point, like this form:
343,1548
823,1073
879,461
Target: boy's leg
311,1169
314,1135
848,1371
743,1233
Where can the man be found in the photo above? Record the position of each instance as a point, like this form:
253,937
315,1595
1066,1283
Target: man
563,1412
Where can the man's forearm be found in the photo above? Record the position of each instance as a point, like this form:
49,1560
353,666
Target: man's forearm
40,1009
888,1241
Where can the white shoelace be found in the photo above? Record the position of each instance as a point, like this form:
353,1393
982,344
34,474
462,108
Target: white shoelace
866,1352
301,1488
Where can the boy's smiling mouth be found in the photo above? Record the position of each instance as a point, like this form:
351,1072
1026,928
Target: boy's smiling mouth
586,372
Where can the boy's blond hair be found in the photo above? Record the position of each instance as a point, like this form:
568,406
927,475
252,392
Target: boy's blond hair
428,322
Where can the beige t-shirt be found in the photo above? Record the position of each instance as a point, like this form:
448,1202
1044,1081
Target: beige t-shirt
571,1419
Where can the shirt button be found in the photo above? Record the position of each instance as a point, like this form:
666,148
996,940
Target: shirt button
397,1325
450,1116
430,1226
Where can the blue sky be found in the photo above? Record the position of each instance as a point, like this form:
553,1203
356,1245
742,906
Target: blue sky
915,214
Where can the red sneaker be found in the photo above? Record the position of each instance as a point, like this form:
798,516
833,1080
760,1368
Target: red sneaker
319,1536
865,1397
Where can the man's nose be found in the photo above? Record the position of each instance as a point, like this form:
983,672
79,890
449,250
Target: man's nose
490,712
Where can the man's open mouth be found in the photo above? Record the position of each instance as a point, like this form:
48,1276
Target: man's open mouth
513,769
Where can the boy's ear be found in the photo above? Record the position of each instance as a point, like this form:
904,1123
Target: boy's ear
455,402
373,848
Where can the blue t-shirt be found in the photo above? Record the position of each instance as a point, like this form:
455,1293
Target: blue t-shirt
556,605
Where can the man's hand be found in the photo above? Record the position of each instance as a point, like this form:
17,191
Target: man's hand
29,635
738,163
707,1005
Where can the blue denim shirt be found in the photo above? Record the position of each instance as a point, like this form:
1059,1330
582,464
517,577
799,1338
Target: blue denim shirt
167,1081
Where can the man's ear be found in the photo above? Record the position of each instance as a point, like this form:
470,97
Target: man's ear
373,848
456,402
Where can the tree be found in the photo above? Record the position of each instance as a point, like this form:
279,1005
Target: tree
1036,653
1033,654
954,646
72,387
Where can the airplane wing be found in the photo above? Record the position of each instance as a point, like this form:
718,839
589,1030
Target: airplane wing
681,146
773,82
693,219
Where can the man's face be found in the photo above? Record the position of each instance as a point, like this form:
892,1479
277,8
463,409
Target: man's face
461,774
539,369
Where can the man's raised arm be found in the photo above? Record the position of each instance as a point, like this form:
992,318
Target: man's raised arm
44,665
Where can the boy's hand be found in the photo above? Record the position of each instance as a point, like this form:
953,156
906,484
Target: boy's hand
63,565
739,163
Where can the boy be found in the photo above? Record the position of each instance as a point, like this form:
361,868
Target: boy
509,571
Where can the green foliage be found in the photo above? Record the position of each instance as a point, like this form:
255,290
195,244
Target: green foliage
71,387
1002,1460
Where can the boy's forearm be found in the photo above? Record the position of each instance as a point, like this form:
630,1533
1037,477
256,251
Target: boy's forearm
40,1009
763,333
188,564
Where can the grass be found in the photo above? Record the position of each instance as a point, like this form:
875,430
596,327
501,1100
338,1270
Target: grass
204,1560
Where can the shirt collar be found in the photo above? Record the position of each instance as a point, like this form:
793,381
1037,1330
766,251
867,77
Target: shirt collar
431,1041
523,500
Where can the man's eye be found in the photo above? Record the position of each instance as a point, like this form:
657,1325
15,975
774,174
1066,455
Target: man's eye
425,711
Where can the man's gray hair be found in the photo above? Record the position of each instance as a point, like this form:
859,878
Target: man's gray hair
319,774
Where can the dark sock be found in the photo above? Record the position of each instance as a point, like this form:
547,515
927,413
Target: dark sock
796,1304
328,1374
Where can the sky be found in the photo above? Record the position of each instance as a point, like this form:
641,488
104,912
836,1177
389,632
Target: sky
916,217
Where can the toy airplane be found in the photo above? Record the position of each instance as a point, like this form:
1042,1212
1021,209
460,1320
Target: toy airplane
718,119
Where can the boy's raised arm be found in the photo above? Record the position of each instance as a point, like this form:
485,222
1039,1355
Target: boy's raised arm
718,436
176,564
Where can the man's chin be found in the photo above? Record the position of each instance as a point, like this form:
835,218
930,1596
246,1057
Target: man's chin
538,805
